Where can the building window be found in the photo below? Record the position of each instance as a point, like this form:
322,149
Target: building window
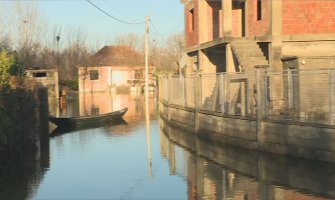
191,22
259,10
94,75
138,74
39,74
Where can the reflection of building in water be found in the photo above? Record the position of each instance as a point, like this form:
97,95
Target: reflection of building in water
217,172
94,103
49,79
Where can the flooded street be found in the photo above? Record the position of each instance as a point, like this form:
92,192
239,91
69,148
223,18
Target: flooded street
131,160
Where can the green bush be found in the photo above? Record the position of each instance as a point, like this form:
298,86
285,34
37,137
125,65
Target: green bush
9,66
72,84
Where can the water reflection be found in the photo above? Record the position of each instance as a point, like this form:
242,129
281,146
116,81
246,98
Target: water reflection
214,171
94,103
22,172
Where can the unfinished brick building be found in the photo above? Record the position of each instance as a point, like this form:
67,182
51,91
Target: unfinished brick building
237,35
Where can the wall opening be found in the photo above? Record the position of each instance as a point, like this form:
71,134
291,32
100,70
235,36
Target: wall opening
259,10
94,75
191,20
40,74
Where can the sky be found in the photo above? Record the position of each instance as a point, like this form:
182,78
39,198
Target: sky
166,16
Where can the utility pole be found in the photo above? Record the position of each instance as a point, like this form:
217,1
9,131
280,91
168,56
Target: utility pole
146,56
147,117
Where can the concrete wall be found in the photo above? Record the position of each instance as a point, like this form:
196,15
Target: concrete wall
263,172
240,132
298,139
309,48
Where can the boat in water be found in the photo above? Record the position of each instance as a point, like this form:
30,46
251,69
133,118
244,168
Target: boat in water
87,120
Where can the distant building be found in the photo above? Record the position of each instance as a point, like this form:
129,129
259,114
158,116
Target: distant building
49,79
237,35
113,66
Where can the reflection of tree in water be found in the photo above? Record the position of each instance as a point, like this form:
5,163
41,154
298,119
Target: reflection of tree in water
22,172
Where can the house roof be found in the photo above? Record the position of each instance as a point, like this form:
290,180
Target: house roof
117,56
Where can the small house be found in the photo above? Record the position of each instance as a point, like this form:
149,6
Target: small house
113,67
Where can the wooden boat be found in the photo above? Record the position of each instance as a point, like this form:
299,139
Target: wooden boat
86,120
60,130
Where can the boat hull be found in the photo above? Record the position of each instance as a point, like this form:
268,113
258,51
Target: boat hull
79,121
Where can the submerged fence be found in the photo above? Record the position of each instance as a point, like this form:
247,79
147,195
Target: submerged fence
298,95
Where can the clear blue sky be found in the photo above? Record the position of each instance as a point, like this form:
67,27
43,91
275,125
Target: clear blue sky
166,15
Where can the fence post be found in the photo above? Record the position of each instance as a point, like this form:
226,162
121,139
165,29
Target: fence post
170,84
198,100
261,98
227,94
331,95
184,90
222,96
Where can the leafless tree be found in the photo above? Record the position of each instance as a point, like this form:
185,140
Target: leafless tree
167,56
132,40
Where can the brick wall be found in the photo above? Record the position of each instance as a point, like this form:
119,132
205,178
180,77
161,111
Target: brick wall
308,16
191,36
258,27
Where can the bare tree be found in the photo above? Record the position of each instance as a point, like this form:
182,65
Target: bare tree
167,57
28,28
132,40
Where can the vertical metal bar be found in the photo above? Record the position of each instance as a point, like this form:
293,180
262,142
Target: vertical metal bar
290,89
222,97
228,103
266,95
200,91
184,90
331,95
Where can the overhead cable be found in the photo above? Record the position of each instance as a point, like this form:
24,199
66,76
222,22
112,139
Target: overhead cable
122,21
162,38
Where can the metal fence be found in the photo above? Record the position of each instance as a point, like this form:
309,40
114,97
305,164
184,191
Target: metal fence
299,95
302,95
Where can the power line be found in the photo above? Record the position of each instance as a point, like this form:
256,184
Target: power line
158,33
125,22
112,7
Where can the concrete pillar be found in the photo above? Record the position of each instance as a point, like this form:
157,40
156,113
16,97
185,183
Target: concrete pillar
275,48
276,17
230,66
331,85
205,65
203,21
227,17
261,101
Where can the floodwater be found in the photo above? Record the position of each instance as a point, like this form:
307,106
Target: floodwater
143,158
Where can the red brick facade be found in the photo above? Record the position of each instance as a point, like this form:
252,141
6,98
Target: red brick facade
308,16
191,23
258,27
249,19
